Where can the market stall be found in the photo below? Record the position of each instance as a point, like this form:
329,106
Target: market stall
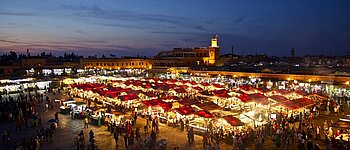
201,121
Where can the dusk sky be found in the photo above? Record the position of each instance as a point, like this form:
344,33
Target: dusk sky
145,27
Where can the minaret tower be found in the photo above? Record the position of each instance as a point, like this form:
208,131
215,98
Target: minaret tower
214,50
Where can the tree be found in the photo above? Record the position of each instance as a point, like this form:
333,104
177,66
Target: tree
13,55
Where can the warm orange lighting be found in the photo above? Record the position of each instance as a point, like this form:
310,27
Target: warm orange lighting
288,79
347,82
309,80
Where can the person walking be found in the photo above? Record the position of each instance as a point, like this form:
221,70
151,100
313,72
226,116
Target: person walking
189,137
135,118
318,132
81,139
138,135
86,122
116,138
91,135
56,116
126,140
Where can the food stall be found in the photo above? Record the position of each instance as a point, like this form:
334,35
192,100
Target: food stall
227,124
254,118
294,107
200,121
78,109
65,107
157,108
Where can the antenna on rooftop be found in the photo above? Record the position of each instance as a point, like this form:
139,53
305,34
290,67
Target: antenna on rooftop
232,50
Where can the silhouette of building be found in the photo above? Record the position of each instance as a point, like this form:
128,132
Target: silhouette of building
292,53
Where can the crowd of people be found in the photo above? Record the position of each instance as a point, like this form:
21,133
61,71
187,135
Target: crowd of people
23,112
132,137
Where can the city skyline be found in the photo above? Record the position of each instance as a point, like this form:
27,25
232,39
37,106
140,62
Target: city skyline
147,27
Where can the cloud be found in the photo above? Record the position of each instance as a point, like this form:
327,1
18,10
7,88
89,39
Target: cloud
121,25
14,42
199,27
18,13
96,11
81,32
240,20
180,33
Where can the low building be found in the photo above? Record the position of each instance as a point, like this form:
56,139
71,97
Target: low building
116,63
34,62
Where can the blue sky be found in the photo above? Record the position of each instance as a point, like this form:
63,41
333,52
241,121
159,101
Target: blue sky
145,27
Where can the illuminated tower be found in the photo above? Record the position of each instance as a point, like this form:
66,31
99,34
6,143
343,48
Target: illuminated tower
214,51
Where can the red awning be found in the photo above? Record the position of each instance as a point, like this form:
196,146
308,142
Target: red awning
278,98
193,83
158,102
217,85
180,90
283,91
128,97
208,106
88,86
205,84
187,101
298,103
301,92
172,98
198,88
246,87
204,113
234,121
221,93
150,94
257,97
184,110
